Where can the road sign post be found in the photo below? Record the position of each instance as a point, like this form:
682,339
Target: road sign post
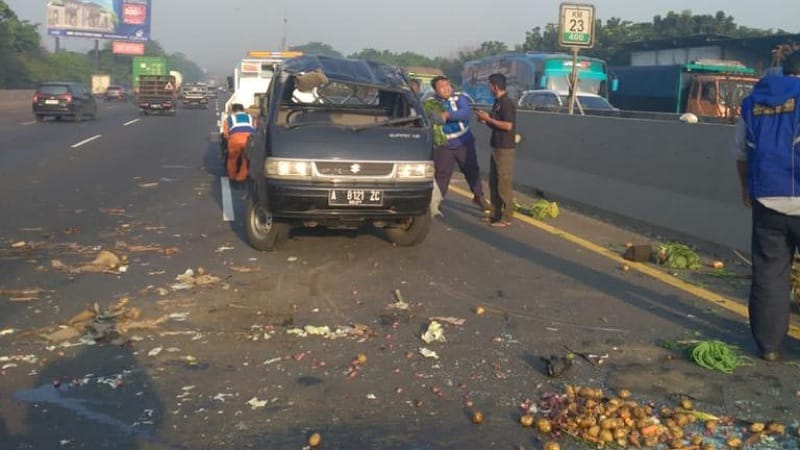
576,31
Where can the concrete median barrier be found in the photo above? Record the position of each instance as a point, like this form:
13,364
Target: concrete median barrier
672,175
11,99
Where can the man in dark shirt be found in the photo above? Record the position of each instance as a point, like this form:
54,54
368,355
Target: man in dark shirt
502,122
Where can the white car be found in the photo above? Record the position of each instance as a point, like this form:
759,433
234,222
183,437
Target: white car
549,100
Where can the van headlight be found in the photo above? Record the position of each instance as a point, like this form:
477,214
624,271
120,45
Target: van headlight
287,168
414,171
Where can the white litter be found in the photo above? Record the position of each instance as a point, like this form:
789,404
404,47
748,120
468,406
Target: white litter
255,403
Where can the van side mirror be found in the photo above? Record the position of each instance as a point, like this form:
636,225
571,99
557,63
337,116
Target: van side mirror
230,83
614,85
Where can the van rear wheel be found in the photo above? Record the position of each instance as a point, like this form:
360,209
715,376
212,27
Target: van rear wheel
264,233
412,233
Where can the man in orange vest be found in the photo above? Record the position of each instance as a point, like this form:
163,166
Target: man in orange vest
238,127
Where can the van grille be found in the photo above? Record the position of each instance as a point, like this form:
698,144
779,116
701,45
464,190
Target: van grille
354,169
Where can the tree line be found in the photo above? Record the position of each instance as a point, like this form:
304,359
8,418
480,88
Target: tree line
611,40
24,61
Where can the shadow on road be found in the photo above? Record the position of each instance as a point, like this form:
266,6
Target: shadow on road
669,307
99,399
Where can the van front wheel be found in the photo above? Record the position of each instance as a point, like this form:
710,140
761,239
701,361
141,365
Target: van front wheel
264,233
412,232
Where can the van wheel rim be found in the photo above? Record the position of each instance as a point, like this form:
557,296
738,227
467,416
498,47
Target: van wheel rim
260,222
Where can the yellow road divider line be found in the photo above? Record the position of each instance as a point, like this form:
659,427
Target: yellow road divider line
703,294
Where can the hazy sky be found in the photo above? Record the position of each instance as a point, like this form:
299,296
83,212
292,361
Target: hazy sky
216,34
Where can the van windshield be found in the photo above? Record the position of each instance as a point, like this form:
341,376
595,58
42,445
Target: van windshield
347,105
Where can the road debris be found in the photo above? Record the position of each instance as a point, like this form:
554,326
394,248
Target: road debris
541,209
7,331
400,304
108,324
428,353
189,280
105,262
225,248
357,331
434,333
601,419
449,320
556,365
22,295
678,256
716,355
255,403
245,269
151,248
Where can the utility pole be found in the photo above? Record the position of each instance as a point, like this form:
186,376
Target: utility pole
285,28
58,44
96,55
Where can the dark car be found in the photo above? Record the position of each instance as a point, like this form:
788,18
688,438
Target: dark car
63,99
115,92
341,143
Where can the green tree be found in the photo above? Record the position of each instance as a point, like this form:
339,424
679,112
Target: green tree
316,48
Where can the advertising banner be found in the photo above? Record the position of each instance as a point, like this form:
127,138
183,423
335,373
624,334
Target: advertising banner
127,20
127,48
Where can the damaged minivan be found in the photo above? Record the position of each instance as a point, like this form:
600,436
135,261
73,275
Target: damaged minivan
342,143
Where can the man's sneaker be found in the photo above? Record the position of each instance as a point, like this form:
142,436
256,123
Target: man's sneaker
482,203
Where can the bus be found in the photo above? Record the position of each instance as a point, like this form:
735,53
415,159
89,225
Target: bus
531,70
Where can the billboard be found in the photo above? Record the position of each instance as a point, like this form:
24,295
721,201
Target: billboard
127,48
127,20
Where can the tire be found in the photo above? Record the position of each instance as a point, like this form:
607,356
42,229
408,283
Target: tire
263,232
40,117
412,234
77,117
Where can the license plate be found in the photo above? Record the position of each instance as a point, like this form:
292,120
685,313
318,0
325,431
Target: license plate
51,102
155,106
355,197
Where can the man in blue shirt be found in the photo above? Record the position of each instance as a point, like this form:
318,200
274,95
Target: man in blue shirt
767,146
458,145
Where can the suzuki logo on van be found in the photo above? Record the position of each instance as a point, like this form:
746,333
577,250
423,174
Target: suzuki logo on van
355,168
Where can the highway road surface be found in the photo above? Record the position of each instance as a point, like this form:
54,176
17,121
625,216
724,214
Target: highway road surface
127,354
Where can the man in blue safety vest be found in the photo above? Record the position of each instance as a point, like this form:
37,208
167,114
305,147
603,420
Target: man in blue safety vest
453,140
238,127
767,146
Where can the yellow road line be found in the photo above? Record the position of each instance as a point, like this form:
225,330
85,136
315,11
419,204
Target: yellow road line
703,294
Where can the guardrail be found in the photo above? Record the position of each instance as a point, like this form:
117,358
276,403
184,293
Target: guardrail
669,174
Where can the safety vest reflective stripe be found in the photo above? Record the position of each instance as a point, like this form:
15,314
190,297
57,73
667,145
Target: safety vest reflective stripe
463,128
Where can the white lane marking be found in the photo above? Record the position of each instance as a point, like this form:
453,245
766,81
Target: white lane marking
86,141
130,122
28,123
227,200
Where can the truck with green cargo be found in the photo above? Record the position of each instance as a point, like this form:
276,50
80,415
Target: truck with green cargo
148,65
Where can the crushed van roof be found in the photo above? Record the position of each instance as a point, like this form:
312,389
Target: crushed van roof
349,70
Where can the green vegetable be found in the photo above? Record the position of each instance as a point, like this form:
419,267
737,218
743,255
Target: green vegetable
716,355
678,256
540,209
